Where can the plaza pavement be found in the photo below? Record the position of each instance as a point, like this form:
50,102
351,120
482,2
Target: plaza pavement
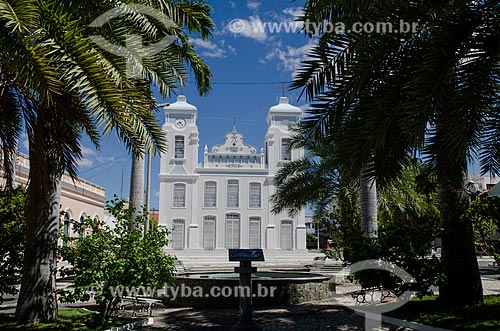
319,315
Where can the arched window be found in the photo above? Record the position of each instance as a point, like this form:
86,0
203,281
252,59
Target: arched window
179,147
233,194
286,151
286,236
254,233
254,196
179,196
66,226
209,232
178,229
210,195
232,231
81,229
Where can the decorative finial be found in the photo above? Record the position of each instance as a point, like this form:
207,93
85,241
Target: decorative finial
234,123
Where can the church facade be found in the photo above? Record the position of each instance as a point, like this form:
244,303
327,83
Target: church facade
223,202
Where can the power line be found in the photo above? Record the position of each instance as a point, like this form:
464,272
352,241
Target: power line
251,83
103,164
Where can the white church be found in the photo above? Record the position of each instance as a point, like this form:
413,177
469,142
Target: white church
223,202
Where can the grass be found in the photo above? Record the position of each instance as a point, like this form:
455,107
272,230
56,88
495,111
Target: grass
428,311
76,319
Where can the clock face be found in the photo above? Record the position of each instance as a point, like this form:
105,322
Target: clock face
180,123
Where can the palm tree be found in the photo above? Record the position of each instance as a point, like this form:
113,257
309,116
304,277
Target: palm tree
435,91
315,180
61,86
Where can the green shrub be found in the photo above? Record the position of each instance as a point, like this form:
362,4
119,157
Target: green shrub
12,238
109,263
406,247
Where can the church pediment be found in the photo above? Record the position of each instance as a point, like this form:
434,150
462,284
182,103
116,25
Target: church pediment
234,144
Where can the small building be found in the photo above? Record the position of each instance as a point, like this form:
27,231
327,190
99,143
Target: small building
223,202
79,199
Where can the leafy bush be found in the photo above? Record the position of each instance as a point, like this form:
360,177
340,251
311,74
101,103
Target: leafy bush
311,237
405,247
108,263
12,238
484,212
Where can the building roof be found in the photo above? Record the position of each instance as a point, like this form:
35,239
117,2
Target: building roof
181,104
234,144
285,107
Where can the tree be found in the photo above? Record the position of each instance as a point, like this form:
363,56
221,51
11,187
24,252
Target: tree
432,91
12,227
49,66
109,263
316,180
196,20
483,212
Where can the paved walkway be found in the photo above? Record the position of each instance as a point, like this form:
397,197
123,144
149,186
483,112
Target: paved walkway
316,316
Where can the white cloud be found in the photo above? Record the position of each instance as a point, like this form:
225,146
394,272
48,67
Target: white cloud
232,4
87,150
209,49
104,159
232,49
253,28
253,5
289,58
293,11
85,163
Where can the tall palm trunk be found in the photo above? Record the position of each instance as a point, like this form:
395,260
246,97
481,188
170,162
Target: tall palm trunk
368,204
463,284
136,197
37,297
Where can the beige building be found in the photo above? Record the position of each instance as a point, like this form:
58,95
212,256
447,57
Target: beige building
79,199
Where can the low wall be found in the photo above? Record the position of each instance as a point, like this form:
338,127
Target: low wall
265,292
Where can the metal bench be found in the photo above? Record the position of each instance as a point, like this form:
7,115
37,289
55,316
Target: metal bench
139,304
366,295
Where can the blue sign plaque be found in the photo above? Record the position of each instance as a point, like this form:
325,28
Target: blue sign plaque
246,255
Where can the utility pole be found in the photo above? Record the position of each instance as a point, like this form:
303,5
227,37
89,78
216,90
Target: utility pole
148,188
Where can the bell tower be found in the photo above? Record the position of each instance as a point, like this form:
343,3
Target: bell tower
182,138
280,120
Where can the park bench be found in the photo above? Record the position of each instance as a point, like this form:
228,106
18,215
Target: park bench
366,294
139,304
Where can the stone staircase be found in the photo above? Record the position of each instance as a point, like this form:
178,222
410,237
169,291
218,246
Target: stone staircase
203,260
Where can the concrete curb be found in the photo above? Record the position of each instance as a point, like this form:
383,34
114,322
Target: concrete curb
133,325
411,325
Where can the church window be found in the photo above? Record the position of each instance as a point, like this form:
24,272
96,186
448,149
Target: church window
255,195
179,147
210,195
254,227
286,151
179,196
209,232
233,188
286,238
178,230
232,231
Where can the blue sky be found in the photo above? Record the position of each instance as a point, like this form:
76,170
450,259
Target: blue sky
255,57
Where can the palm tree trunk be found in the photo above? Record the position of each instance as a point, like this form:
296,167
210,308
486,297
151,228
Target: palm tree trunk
368,204
463,284
37,297
136,198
